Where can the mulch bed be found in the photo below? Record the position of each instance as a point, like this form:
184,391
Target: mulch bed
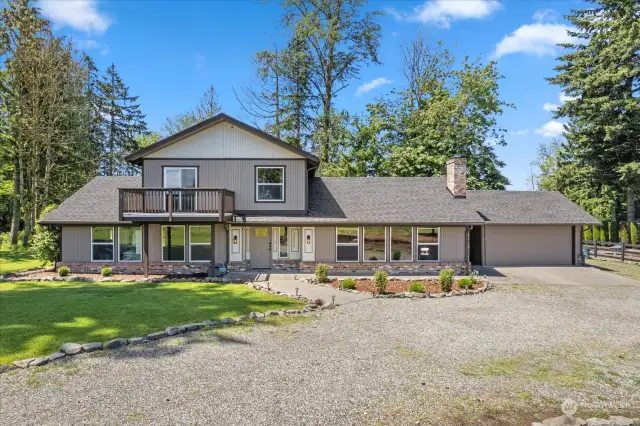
401,286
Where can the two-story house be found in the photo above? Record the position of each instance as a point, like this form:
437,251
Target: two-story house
223,192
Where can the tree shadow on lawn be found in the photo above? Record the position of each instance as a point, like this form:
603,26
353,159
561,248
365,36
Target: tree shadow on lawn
36,318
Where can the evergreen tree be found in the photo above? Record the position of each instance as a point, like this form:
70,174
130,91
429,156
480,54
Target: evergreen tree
123,122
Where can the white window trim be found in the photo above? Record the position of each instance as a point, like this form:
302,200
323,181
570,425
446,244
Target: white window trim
391,244
363,243
418,244
257,199
198,244
347,244
141,254
288,241
164,183
113,240
184,254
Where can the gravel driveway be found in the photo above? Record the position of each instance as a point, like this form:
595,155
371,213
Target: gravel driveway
504,357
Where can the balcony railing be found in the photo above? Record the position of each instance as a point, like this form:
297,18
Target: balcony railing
172,203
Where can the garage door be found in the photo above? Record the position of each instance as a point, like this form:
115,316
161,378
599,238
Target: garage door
527,245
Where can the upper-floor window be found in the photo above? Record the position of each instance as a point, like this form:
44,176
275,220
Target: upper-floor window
180,177
269,183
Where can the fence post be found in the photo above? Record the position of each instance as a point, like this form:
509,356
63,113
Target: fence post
595,248
622,253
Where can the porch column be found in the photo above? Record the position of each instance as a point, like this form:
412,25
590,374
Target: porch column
145,248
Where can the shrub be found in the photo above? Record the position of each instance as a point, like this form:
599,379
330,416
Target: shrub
635,238
587,235
381,278
45,244
416,287
63,271
623,234
465,283
322,273
446,279
613,232
348,284
319,302
474,276
106,271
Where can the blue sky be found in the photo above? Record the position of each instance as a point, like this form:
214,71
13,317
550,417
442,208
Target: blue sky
170,52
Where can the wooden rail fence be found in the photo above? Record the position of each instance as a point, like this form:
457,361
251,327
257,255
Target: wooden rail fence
622,252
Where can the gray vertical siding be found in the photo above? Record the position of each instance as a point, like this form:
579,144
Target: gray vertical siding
238,176
155,243
76,244
452,244
220,237
325,244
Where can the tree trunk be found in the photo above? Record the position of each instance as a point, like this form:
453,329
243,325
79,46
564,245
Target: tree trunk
15,214
27,229
631,205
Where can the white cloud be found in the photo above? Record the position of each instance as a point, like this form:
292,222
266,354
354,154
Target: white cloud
92,44
367,87
444,12
564,97
551,129
105,50
201,61
549,107
521,132
395,34
540,38
81,15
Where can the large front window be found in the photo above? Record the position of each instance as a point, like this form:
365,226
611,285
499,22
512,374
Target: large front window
284,242
269,183
102,243
130,243
428,244
401,244
200,243
347,244
172,243
374,244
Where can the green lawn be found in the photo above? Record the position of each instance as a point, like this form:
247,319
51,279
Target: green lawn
17,259
624,269
37,317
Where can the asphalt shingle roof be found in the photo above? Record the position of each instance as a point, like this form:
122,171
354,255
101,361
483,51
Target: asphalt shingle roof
367,200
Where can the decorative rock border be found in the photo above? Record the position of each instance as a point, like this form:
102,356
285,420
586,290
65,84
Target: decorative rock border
79,278
71,349
486,285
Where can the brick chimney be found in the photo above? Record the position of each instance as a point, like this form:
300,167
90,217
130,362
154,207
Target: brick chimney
457,177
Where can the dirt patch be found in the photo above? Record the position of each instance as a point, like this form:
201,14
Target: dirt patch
431,285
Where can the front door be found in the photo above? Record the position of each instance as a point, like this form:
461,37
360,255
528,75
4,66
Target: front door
260,248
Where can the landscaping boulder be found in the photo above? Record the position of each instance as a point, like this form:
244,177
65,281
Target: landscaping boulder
594,421
208,323
71,348
157,335
563,421
56,356
172,331
4,368
241,318
136,340
38,361
92,347
623,421
226,321
116,343
255,315
193,327
23,363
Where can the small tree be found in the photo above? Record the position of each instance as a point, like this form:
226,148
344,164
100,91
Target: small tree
45,245
635,238
586,233
613,232
603,232
624,234
381,278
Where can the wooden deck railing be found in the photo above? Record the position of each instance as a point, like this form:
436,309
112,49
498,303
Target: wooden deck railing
176,201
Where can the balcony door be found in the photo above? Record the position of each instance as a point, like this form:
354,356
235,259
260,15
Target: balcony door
182,178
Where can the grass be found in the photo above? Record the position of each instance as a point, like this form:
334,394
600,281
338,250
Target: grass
37,317
618,268
17,259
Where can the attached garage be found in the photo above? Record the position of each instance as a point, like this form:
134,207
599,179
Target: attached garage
517,245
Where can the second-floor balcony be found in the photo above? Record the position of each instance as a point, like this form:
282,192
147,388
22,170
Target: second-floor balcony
176,204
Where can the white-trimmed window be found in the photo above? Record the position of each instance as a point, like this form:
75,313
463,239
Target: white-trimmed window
102,244
269,183
347,244
181,178
173,243
283,246
130,243
401,243
374,244
200,243
429,244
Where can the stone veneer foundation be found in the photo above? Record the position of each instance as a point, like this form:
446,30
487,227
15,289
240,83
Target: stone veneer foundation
155,268
409,268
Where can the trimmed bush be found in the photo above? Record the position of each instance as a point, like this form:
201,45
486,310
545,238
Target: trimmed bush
635,238
446,279
416,287
613,232
381,278
465,283
322,273
63,271
348,284
623,234
587,235
106,271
